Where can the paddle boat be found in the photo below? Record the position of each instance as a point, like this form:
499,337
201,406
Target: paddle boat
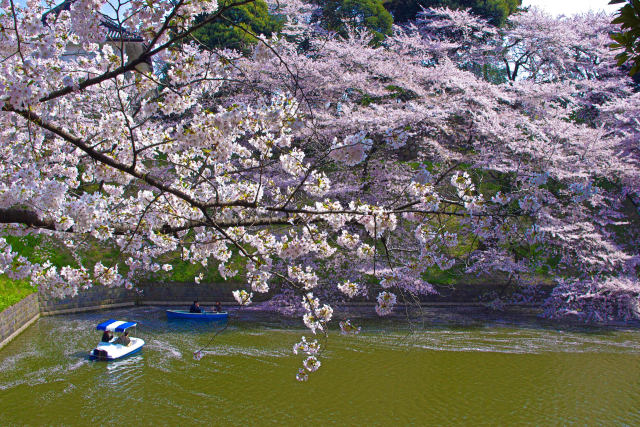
112,350
205,315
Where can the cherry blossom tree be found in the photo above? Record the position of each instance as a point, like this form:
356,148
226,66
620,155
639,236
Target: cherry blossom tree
554,136
340,167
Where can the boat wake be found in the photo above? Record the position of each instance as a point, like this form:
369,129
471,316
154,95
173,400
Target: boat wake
44,375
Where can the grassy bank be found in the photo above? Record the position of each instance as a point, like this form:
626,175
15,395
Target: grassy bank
12,291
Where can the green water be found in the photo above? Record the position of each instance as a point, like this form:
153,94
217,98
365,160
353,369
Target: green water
486,373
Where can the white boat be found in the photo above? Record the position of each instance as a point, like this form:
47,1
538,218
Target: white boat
112,350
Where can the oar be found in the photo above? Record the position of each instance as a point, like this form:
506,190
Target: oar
198,354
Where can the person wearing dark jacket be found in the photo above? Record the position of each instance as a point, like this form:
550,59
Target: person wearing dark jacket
217,307
107,336
195,308
124,339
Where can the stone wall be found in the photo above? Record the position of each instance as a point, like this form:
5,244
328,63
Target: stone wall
94,298
177,293
170,293
18,317
478,293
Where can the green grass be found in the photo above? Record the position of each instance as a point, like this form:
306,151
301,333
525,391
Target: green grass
37,249
12,291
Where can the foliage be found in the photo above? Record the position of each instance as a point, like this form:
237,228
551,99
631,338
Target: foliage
12,291
495,11
339,15
628,38
237,29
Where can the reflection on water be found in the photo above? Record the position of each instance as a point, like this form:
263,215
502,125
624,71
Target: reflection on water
477,373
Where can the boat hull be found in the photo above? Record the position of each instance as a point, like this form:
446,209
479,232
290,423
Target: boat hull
207,315
113,351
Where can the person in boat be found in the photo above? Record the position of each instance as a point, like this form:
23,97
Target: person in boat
124,339
107,336
195,308
217,307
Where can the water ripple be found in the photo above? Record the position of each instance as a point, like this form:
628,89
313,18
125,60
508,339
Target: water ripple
438,374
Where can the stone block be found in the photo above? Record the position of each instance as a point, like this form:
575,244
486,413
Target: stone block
16,316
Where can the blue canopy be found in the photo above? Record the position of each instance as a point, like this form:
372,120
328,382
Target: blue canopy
115,325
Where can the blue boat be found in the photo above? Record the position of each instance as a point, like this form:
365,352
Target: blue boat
112,350
205,315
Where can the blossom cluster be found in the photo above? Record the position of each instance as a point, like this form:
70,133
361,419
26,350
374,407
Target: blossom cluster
350,289
242,297
386,301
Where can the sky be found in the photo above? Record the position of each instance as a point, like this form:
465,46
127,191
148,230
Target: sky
571,7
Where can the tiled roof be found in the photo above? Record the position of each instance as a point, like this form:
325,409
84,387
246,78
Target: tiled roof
115,32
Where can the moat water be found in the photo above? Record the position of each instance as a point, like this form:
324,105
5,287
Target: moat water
481,372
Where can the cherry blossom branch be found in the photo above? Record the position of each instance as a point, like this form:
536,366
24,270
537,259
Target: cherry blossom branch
103,158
